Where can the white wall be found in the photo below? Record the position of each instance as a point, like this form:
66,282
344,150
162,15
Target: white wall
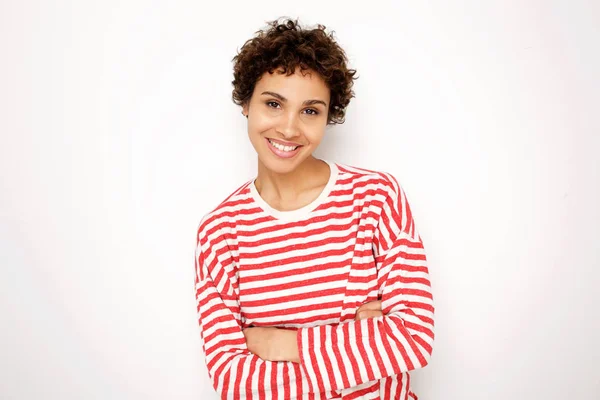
118,134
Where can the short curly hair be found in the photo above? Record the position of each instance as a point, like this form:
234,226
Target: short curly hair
285,46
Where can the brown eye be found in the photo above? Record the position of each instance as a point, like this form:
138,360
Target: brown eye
272,104
312,111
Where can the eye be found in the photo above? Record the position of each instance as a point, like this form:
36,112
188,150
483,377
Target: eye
272,104
312,111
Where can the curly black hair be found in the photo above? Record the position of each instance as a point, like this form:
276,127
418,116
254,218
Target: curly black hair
285,46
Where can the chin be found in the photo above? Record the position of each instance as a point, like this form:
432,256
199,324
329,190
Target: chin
281,166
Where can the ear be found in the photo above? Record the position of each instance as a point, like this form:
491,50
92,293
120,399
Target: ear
245,108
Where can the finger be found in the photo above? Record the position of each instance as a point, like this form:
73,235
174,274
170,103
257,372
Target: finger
372,305
365,307
368,314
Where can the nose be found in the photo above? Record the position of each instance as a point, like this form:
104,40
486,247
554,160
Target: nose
288,126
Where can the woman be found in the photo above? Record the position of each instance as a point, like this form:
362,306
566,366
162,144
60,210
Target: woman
311,279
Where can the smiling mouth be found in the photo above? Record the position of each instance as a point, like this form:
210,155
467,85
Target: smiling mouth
281,151
281,147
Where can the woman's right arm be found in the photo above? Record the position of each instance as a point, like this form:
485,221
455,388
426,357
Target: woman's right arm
234,371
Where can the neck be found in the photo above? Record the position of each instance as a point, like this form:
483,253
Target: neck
287,186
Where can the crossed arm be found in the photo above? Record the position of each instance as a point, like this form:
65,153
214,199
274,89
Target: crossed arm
274,344
326,357
318,359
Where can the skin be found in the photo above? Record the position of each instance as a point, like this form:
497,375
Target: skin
291,109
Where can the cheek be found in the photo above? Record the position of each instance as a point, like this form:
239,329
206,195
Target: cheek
315,135
259,123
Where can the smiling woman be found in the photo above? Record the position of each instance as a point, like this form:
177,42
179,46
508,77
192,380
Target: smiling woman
287,116
311,279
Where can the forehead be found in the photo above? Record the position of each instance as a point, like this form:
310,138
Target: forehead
299,86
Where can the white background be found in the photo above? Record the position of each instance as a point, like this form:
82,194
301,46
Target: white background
119,134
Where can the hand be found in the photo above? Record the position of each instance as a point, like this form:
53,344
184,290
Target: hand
371,309
272,344
258,339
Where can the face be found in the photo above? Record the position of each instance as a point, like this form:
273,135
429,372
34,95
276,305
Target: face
287,117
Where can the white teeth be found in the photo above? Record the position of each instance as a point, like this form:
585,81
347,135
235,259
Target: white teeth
282,147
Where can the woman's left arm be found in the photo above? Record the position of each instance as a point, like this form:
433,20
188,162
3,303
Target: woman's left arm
370,349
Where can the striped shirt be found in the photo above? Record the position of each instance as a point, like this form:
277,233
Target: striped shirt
309,270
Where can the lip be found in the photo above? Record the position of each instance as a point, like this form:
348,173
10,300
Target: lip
281,142
282,154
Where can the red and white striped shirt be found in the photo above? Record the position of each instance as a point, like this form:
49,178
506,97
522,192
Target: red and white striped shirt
309,270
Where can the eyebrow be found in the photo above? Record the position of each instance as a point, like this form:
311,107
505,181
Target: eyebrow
283,99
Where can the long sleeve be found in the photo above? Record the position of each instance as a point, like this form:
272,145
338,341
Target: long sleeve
234,371
348,354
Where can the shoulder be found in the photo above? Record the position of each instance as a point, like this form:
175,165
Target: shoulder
388,198
221,217
382,182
